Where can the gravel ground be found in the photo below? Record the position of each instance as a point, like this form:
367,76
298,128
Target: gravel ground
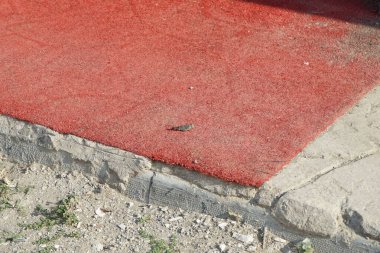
44,210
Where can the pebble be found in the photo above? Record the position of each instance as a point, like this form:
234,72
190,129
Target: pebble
222,247
100,213
278,239
175,219
207,222
97,247
243,238
62,175
122,226
223,225
252,248
130,204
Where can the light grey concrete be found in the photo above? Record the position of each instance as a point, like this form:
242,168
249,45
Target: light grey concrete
353,137
348,195
362,207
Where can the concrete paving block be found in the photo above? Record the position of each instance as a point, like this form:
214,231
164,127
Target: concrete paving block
349,192
362,210
311,209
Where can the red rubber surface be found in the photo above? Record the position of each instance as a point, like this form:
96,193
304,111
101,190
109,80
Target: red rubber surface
267,76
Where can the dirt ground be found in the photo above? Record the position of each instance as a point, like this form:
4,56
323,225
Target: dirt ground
49,210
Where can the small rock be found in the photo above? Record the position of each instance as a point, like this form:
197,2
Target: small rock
279,239
122,227
130,204
33,167
97,247
252,248
121,187
223,225
243,238
207,222
56,246
62,175
222,247
100,213
198,221
175,219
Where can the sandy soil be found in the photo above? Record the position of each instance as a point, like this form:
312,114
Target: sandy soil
34,217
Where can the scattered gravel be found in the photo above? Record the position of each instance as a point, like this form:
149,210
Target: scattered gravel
111,222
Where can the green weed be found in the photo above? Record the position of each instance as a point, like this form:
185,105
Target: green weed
159,245
5,196
305,246
144,219
12,237
47,249
56,236
62,214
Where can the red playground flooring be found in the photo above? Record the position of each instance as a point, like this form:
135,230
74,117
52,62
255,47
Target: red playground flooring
257,79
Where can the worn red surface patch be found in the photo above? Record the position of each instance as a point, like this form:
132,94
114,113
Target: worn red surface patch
258,79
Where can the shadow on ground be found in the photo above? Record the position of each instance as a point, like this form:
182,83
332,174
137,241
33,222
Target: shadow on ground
365,12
